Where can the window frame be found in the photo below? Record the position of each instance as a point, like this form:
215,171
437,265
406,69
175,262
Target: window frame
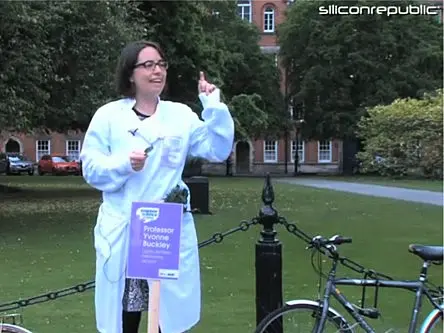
269,14
322,143
37,150
302,151
244,5
276,152
68,150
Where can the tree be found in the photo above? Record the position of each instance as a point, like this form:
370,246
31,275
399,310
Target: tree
24,63
57,61
404,137
249,116
340,64
86,39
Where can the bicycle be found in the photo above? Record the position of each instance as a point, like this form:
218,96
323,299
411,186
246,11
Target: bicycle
321,312
11,328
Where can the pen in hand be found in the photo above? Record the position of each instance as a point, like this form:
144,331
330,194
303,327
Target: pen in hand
147,150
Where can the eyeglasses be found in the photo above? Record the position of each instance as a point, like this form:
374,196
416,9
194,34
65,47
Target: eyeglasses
151,64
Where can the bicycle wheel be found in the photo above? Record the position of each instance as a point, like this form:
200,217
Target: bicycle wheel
8,328
307,314
434,322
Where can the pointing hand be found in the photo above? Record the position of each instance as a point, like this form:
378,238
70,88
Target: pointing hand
204,86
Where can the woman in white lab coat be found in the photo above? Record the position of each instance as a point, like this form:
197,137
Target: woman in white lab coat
135,150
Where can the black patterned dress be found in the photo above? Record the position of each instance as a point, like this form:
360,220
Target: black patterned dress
135,297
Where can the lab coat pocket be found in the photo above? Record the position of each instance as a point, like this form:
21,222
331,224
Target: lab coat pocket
108,232
172,147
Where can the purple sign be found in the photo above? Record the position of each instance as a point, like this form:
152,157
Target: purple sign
154,240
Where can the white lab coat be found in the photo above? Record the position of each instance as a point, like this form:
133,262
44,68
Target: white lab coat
175,131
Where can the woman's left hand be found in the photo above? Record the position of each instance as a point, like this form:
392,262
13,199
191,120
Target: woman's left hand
204,86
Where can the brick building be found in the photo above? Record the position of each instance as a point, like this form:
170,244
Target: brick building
38,144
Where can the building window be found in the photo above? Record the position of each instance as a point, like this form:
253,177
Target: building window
270,151
42,147
269,19
324,151
73,149
300,149
244,10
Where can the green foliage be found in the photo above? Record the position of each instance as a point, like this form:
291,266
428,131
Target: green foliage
338,65
24,58
177,195
407,135
249,115
57,61
84,66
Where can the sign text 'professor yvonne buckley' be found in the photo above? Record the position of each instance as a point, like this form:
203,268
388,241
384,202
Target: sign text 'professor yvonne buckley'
155,240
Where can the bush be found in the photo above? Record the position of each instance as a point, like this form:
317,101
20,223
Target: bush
404,138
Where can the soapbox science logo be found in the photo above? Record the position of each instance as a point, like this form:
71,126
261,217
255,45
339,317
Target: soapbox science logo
148,214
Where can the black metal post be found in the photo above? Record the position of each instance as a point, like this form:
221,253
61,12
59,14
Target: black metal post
286,151
228,166
268,261
286,109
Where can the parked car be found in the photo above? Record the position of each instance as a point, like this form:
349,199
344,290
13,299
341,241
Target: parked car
58,165
19,164
4,163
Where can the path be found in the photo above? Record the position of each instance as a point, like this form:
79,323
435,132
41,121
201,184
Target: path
397,193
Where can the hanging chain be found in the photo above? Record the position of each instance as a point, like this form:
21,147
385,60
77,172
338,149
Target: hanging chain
47,297
81,287
220,236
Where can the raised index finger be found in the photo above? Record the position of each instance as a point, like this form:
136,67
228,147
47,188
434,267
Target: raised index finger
201,76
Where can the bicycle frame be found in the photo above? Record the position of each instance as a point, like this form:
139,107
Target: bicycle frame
418,287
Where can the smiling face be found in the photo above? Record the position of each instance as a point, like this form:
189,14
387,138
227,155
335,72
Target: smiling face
150,72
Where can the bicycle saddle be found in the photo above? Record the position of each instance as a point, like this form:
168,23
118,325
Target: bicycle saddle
427,252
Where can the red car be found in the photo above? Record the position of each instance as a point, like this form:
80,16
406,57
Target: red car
58,165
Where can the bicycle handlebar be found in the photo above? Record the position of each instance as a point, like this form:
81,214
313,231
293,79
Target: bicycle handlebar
320,241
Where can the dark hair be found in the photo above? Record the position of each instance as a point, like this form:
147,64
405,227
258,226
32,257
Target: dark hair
125,65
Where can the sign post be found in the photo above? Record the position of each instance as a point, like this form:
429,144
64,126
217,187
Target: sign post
154,249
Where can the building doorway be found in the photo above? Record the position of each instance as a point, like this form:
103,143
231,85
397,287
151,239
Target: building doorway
12,146
242,157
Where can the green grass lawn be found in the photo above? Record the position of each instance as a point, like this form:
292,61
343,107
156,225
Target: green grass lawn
418,184
46,244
